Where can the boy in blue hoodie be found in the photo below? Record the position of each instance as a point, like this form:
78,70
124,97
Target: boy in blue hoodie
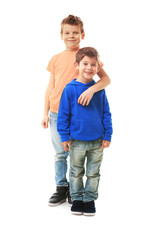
86,131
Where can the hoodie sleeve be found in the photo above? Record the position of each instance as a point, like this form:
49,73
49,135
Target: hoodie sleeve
63,120
107,121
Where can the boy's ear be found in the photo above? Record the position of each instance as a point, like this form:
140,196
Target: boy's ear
99,67
83,35
76,65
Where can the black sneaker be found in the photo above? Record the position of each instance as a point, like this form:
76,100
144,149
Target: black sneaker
59,196
69,197
89,208
77,207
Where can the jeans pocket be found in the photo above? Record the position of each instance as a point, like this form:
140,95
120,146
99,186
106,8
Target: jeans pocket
53,119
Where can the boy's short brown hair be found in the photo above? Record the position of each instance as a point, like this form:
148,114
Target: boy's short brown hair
87,51
72,20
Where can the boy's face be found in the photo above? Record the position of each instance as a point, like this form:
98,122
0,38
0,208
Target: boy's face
72,37
87,67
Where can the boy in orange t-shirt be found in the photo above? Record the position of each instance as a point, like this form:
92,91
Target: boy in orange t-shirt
62,69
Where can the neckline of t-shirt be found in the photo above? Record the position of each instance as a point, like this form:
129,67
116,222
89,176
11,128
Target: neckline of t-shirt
70,52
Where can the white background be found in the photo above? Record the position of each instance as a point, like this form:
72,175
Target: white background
30,35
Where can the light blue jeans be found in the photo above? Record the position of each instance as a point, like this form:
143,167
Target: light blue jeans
61,155
92,152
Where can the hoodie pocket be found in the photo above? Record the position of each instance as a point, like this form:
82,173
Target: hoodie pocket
89,130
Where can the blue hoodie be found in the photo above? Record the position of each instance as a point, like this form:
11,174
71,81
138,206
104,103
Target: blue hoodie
84,123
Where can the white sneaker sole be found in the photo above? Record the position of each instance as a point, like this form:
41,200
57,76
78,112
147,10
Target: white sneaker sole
77,213
56,204
89,214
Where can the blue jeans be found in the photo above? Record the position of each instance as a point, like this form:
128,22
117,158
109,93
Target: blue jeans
79,152
61,155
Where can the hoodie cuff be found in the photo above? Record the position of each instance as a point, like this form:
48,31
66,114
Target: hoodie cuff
65,138
107,138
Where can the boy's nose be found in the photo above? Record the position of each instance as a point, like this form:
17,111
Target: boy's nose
89,67
71,35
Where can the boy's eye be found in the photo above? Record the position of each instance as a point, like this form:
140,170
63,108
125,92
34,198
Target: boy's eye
66,33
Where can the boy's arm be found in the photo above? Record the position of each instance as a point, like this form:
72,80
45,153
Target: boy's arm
63,119
87,95
49,90
107,121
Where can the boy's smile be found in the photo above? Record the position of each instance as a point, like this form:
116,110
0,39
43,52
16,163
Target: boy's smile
72,37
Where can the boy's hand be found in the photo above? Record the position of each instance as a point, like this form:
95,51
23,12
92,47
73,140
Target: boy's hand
45,122
66,145
85,97
105,144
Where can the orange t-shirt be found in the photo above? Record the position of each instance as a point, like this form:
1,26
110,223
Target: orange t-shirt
62,67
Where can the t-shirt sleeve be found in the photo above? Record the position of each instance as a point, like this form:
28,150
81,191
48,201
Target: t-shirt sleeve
51,65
